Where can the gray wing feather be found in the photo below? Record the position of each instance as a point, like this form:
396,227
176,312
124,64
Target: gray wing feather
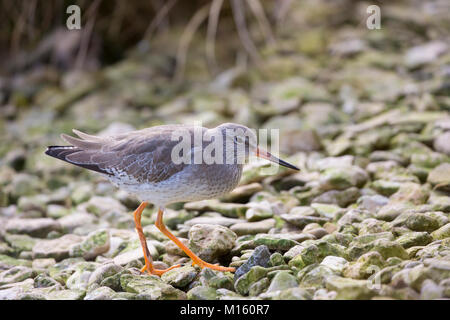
139,156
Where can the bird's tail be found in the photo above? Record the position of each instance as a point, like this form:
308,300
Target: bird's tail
62,153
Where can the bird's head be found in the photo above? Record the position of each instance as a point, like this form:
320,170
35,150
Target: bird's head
243,142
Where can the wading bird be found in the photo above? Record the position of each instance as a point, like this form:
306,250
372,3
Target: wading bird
143,163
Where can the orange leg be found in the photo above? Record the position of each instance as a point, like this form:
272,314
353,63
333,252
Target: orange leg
147,257
195,259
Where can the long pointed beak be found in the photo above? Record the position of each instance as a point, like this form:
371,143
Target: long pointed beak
261,153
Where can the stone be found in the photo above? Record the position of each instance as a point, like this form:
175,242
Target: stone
180,277
258,213
370,237
280,242
21,242
222,221
349,289
431,290
317,232
245,228
440,175
412,239
231,210
43,263
150,287
134,255
341,198
210,242
314,276
33,227
57,248
96,243
441,143
81,194
258,287
294,140
103,272
335,264
7,262
301,221
44,281
424,53
66,295
56,211
276,259
79,280
100,293
342,178
36,203
366,265
441,233
243,193
216,279
410,192
303,211
74,220
171,247
282,280
315,253
243,283
328,211
260,257
422,222
202,293
100,206
15,274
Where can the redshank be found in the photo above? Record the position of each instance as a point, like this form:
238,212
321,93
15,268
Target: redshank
146,163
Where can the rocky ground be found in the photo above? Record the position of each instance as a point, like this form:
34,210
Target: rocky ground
364,114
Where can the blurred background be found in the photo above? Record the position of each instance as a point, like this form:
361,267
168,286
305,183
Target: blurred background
310,68
363,111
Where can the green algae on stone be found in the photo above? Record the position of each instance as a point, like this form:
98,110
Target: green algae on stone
441,233
315,276
202,293
96,243
258,287
7,262
316,252
412,239
15,274
422,222
180,277
20,242
350,289
150,286
243,284
365,266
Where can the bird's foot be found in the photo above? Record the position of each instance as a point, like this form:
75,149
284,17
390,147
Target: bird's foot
203,264
158,272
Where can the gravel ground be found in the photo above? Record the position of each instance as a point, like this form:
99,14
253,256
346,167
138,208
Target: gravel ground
363,113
